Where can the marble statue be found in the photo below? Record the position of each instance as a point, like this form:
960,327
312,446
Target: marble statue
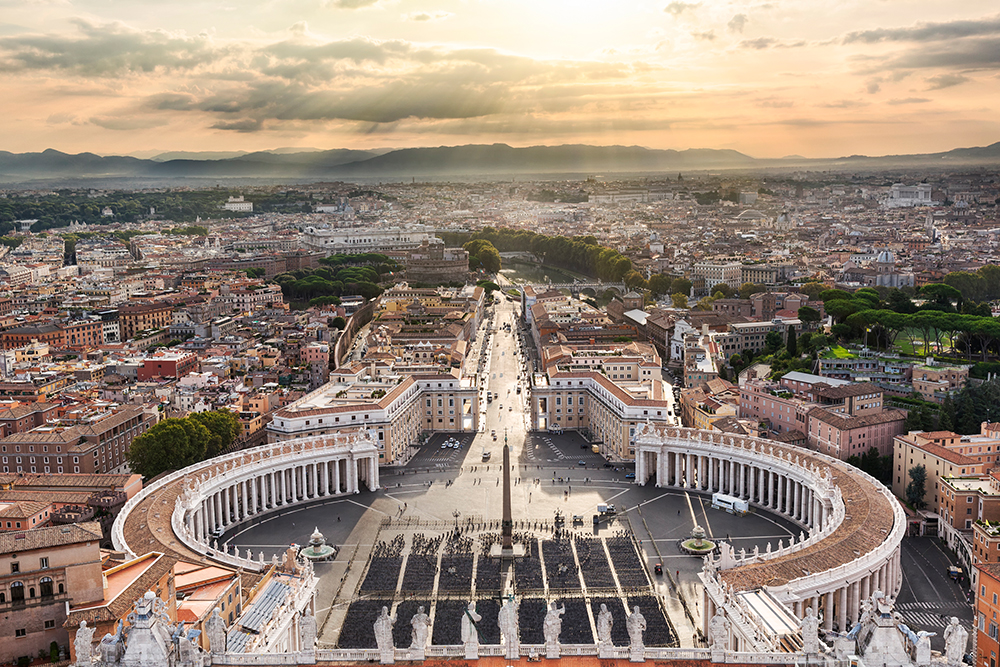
470,634
923,648
83,644
551,629
307,632
955,640
604,622
810,631
507,620
383,635
419,623
636,625
719,630
215,629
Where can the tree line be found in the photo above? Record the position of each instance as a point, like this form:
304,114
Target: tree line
172,444
582,254
342,274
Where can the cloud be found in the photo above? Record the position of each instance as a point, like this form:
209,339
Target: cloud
737,23
707,36
946,81
352,4
110,49
242,125
908,100
873,87
981,53
126,123
676,8
928,32
761,43
426,16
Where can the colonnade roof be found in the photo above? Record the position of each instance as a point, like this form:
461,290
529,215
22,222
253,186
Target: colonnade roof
867,523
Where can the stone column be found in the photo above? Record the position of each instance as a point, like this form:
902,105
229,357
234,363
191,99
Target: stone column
854,601
352,476
225,507
373,480
336,476
325,482
742,473
828,612
842,610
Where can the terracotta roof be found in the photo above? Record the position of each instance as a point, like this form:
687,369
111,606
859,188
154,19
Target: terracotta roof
846,422
43,538
942,452
845,390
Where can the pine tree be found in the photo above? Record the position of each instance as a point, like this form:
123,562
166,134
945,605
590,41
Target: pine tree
791,344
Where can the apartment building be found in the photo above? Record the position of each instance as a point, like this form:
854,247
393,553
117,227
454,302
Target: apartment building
136,317
45,570
939,453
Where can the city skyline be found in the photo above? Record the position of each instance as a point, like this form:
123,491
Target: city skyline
766,79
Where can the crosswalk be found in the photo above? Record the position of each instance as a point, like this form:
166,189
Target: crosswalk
536,450
930,615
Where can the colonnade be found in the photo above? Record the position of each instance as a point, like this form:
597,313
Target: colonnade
266,490
762,485
835,579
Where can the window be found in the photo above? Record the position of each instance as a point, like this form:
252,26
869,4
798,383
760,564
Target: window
15,567
17,592
20,632
43,563
45,587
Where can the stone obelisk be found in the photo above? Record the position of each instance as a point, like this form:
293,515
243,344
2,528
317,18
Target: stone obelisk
507,525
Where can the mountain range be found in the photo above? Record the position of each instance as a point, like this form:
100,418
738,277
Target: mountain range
473,159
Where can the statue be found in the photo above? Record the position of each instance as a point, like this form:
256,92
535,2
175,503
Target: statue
307,632
383,636
419,624
604,622
923,648
955,640
636,625
215,629
507,620
83,644
470,634
719,630
111,650
551,629
810,631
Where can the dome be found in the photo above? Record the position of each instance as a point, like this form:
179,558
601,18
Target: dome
885,257
751,214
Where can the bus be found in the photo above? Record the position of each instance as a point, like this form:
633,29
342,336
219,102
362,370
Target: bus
738,506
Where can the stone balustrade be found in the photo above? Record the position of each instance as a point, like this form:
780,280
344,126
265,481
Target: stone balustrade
209,498
852,526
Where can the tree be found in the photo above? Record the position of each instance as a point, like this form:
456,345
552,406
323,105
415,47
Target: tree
912,422
222,425
749,289
772,342
339,323
791,345
724,289
682,286
809,315
483,255
660,284
812,289
736,361
633,279
171,444
915,489
941,294
680,300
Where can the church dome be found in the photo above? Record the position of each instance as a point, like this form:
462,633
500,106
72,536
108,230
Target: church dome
885,257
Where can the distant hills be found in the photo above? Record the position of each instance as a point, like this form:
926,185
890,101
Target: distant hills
442,161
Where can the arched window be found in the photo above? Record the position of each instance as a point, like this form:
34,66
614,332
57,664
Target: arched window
61,590
3,598
45,586
17,592
31,592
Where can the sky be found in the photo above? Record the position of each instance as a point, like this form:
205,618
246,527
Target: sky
817,78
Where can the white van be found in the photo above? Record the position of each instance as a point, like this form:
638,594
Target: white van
721,501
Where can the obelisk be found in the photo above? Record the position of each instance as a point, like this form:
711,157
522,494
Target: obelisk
507,525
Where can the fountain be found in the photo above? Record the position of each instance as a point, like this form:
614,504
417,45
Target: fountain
318,549
697,545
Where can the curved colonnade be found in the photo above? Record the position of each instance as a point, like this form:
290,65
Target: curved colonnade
181,512
849,546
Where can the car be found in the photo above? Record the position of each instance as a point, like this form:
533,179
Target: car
501,406
581,462
510,408
658,568
445,446
630,475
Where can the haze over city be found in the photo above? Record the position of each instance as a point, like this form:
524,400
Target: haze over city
818,79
